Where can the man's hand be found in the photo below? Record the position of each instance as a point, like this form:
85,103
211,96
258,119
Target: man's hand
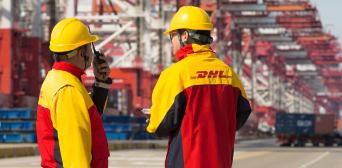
142,112
101,68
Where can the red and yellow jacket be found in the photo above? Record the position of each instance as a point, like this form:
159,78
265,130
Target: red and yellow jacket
69,126
199,102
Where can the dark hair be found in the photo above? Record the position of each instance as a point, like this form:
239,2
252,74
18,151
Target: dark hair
62,56
201,37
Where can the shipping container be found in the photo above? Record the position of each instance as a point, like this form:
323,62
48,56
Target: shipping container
339,125
17,125
299,129
295,124
325,124
19,67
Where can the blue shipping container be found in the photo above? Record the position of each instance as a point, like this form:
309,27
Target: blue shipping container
117,136
117,127
116,119
295,124
15,113
16,125
17,138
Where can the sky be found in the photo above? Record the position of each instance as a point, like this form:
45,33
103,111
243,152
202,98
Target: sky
330,12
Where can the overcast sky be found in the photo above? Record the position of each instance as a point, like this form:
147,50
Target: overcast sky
330,12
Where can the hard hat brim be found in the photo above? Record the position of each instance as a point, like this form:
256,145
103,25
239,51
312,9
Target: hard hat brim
94,38
167,32
69,47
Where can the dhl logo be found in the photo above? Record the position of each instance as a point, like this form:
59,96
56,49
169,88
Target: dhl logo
210,74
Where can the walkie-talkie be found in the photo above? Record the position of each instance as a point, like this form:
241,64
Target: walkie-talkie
97,58
97,55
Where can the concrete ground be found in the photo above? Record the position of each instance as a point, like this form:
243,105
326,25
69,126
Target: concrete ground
253,153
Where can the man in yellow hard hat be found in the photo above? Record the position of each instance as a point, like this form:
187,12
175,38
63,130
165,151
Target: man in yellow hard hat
199,102
69,127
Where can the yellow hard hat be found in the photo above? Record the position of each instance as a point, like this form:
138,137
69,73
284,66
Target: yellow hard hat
69,34
190,17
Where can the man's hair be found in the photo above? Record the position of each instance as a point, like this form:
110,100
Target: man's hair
201,37
63,56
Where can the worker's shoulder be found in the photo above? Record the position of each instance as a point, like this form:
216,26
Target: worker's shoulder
57,79
206,60
194,62
173,69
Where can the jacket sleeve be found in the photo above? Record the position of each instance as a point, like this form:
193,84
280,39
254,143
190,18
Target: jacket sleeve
243,107
168,105
99,94
73,128
243,111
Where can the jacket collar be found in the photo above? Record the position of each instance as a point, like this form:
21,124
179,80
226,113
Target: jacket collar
64,66
191,49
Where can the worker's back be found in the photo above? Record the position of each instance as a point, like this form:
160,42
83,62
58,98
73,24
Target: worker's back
69,136
202,96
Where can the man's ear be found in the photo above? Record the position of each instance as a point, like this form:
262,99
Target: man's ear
185,36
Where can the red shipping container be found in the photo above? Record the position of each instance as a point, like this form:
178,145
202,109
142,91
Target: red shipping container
339,125
325,123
